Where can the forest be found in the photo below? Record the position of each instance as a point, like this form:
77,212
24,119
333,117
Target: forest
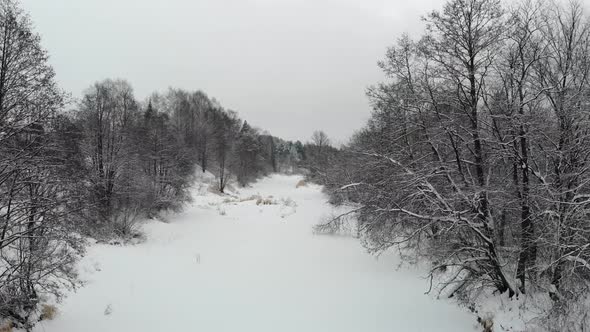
476,155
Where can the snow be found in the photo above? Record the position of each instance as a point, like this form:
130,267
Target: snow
228,264
514,314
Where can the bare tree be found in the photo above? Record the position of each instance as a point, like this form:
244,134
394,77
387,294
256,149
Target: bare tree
225,132
35,245
108,113
320,139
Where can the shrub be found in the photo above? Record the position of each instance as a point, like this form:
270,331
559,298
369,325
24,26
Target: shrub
265,201
6,327
48,312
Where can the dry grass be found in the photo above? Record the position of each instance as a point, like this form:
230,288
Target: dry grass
109,309
214,189
301,183
48,312
265,201
486,323
288,202
251,198
221,211
6,327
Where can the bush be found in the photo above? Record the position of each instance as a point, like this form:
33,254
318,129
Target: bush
48,312
6,327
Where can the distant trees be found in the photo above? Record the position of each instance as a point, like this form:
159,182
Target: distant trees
203,110
317,155
226,127
109,115
165,161
289,155
141,161
476,154
320,139
248,151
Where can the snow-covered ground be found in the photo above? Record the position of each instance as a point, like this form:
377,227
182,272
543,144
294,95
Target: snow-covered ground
228,264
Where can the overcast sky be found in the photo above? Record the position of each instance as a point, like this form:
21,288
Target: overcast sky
287,66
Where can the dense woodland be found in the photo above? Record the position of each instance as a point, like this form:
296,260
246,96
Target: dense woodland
95,165
477,154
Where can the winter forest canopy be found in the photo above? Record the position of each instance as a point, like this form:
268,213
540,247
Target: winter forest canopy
475,159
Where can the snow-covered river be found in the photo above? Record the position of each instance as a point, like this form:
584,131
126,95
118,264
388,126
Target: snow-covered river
228,264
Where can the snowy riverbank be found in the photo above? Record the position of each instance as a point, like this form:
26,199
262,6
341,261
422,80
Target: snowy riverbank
230,264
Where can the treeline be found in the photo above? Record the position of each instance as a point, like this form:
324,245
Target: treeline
318,158
476,156
97,169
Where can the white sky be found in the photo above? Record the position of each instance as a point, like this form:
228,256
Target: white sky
287,66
